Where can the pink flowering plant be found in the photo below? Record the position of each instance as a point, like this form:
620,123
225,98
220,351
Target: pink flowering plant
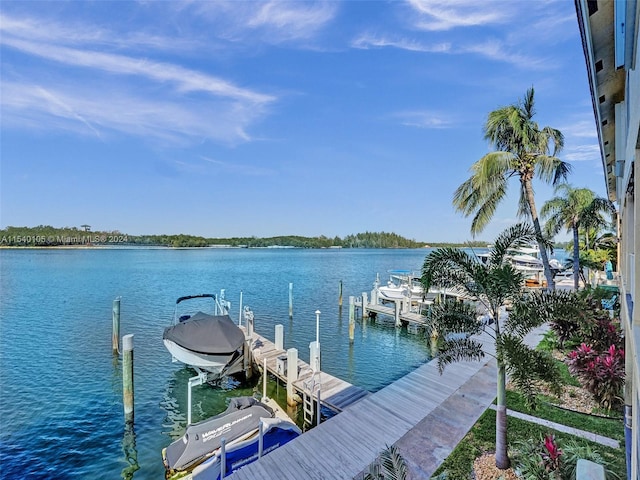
551,454
540,460
602,374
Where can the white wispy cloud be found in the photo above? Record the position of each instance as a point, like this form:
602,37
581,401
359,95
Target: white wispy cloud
273,22
438,15
499,51
83,89
424,119
74,108
581,128
293,19
582,153
185,80
367,40
494,49
76,33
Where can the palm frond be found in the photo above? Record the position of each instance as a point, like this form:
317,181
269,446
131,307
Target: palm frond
526,366
514,236
458,349
551,135
528,313
448,267
455,317
484,190
551,169
393,466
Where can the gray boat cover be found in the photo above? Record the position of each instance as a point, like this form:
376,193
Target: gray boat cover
241,417
204,333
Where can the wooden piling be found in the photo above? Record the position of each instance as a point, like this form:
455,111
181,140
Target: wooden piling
115,335
248,352
434,343
127,377
352,318
290,300
397,304
340,294
314,356
279,337
264,378
365,302
292,375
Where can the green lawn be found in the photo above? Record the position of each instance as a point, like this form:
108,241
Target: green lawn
608,427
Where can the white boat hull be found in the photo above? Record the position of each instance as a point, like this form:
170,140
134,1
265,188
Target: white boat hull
215,364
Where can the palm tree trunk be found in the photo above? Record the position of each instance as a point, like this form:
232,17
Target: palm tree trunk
502,457
536,225
576,258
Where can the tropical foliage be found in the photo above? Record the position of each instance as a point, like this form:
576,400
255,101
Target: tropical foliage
571,209
598,360
492,285
524,151
601,373
548,459
388,466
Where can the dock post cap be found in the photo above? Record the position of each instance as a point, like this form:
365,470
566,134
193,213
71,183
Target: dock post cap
127,342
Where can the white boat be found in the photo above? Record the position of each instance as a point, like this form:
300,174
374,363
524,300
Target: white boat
402,284
527,260
212,343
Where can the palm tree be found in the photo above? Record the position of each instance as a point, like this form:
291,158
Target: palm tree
570,209
493,284
522,151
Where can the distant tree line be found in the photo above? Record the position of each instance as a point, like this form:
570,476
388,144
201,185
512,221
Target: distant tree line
48,236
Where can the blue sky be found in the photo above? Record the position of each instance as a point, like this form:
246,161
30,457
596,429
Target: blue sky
230,119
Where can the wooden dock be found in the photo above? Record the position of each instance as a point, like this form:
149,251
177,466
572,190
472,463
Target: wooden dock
405,311
423,412
335,393
405,317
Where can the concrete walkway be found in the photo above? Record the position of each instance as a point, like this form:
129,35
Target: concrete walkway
426,445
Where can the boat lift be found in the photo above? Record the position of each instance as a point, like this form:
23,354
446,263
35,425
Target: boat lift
199,379
222,307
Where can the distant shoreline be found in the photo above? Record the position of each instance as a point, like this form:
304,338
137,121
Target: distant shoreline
209,247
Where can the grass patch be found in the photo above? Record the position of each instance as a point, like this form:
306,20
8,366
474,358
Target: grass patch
565,376
481,438
549,342
608,427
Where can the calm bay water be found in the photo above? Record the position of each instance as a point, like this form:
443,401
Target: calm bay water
61,388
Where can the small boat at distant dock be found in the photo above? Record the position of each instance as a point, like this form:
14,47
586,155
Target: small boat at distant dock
402,284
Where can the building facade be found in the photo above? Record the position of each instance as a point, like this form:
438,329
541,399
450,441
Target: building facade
609,30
